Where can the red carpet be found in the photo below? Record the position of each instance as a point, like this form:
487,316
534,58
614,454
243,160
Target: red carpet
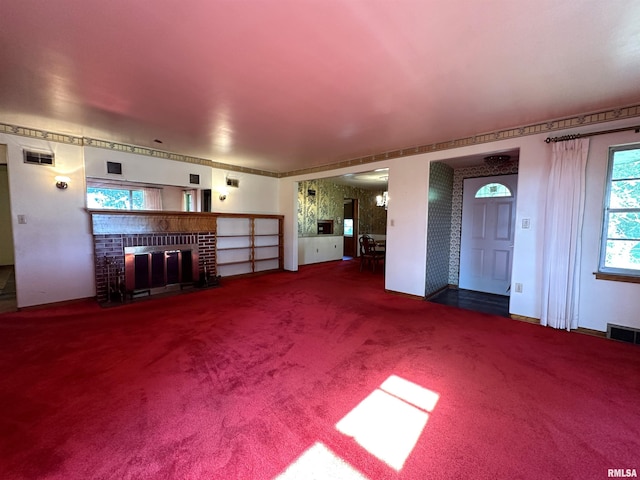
315,374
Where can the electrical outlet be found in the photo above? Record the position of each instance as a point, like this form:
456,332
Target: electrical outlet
526,223
518,288
22,219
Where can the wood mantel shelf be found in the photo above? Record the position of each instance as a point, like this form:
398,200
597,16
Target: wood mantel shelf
131,222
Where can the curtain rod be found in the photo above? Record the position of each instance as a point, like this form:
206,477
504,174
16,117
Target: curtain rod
564,138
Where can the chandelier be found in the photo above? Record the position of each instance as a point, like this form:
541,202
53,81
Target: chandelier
382,200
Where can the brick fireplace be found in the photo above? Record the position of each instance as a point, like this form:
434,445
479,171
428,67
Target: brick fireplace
179,247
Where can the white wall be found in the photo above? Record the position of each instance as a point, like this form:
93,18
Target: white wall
288,206
255,194
143,169
54,249
406,258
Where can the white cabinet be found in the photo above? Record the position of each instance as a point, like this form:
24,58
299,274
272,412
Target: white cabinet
323,248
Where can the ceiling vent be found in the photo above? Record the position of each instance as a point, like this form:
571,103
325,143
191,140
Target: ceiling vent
233,182
38,158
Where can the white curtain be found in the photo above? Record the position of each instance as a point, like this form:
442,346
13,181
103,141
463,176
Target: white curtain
562,234
152,199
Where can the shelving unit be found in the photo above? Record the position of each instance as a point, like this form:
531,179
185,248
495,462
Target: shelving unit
248,244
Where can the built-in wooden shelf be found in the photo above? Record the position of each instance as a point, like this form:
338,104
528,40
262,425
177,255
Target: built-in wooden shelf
239,241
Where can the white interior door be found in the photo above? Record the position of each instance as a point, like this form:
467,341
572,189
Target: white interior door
488,225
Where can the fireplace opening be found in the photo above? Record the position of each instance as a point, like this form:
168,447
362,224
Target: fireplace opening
151,270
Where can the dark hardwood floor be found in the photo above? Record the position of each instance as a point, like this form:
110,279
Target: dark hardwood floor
476,301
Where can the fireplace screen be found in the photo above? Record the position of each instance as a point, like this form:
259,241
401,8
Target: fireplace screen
150,268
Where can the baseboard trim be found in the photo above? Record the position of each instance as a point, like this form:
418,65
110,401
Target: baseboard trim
406,295
522,318
588,331
582,330
62,303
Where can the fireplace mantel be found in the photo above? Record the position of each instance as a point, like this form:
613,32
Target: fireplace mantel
106,222
131,222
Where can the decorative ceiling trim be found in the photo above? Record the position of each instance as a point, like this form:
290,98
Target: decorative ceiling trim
40,134
535,129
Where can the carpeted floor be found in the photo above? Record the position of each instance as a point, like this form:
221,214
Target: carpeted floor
314,374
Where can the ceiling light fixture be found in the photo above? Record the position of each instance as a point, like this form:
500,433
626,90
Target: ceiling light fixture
382,200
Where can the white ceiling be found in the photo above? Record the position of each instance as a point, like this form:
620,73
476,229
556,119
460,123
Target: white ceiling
377,179
282,85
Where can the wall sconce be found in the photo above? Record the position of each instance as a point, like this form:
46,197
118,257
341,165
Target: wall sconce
222,194
62,182
382,200
223,197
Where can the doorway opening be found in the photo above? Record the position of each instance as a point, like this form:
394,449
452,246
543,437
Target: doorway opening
444,223
7,263
350,234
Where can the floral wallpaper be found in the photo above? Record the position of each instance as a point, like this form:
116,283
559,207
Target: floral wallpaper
328,204
438,227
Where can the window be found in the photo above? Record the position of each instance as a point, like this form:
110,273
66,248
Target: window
120,196
188,203
348,227
116,198
620,250
493,190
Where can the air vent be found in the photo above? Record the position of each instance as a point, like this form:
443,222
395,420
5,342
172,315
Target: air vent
624,334
233,182
114,167
38,158
195,179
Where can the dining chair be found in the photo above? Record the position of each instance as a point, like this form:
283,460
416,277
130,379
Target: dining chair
368,252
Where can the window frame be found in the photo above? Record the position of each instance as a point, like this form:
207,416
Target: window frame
610,272
498,195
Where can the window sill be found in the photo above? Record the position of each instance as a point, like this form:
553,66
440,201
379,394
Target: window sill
616,277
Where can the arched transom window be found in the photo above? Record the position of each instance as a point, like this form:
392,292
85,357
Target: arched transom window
492,190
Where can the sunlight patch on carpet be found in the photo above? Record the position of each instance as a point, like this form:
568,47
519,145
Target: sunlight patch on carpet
389,422
318,462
